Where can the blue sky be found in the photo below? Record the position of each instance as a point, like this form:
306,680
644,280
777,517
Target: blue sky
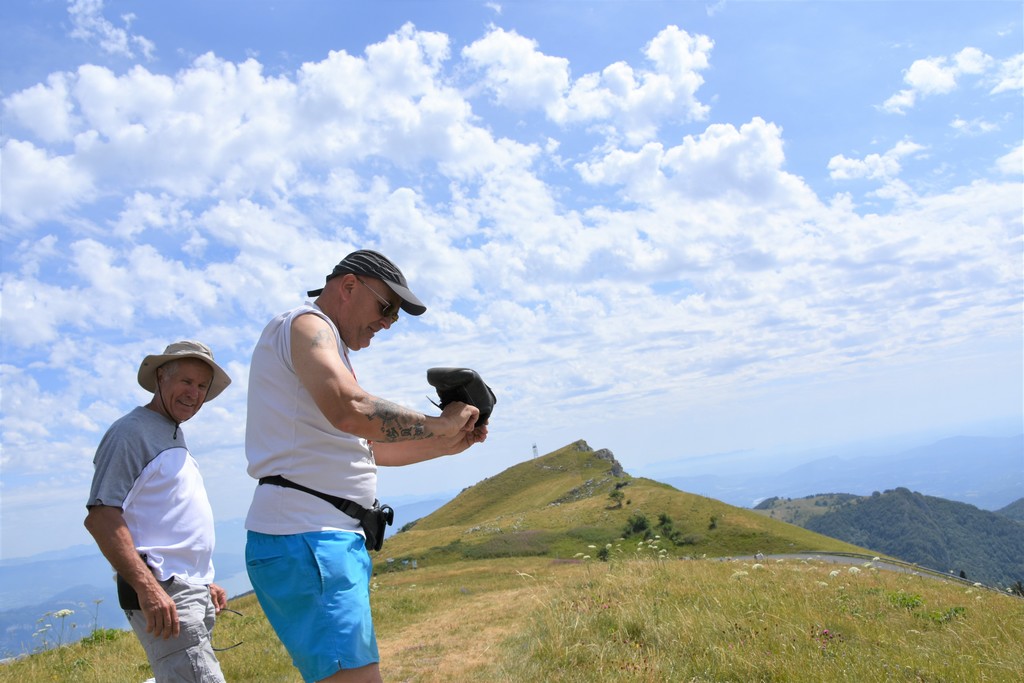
671,229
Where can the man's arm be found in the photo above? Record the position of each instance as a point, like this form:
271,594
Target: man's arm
411,452
107,526
346,406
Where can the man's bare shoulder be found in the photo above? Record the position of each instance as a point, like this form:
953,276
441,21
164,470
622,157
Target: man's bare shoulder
313,333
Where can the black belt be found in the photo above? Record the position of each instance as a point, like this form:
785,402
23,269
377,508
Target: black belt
349,507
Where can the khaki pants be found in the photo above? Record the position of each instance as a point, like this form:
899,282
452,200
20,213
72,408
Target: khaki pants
189,658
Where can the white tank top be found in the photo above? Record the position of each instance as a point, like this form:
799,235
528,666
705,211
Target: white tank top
286,434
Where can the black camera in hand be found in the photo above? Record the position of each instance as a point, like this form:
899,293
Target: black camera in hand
465,385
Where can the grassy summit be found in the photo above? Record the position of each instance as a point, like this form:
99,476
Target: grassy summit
554,505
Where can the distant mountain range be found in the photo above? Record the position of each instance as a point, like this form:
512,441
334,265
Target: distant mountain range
1014,510
987,472
947,536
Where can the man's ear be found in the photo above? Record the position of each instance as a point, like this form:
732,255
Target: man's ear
346,285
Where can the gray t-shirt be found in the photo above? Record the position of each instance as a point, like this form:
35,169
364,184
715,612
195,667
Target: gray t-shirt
143,467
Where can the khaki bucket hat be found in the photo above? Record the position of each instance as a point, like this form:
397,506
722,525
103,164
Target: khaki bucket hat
177,351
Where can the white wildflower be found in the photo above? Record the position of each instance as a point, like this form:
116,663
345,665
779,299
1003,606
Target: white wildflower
854,570
834,573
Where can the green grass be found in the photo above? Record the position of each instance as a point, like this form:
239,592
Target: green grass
633,618
791,621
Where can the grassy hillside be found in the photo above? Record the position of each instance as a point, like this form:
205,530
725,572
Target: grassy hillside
634,618
509,587
552,505
799,511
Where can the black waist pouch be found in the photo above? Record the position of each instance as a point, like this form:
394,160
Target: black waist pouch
127,598
373,521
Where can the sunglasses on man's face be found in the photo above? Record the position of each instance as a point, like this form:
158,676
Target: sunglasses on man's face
387,309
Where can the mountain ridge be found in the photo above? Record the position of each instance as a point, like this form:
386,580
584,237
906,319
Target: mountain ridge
564,502
943,535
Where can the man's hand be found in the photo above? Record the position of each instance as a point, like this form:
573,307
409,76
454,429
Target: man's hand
219,596
161,614
461,417
464,440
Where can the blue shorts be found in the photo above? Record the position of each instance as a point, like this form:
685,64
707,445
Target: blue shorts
315,590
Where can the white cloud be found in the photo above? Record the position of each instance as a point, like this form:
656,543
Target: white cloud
1012,163
1010,76
39,185
977,126
884,166
900,102
724,161
972,61
90,25
937,76
516,72
635,103
44,110
34,312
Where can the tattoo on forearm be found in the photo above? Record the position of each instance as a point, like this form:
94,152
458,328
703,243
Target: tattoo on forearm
398,423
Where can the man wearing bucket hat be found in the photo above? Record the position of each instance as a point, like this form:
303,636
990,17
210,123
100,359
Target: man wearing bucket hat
151,518
314,439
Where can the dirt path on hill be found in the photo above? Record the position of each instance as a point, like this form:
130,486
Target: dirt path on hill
451,644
